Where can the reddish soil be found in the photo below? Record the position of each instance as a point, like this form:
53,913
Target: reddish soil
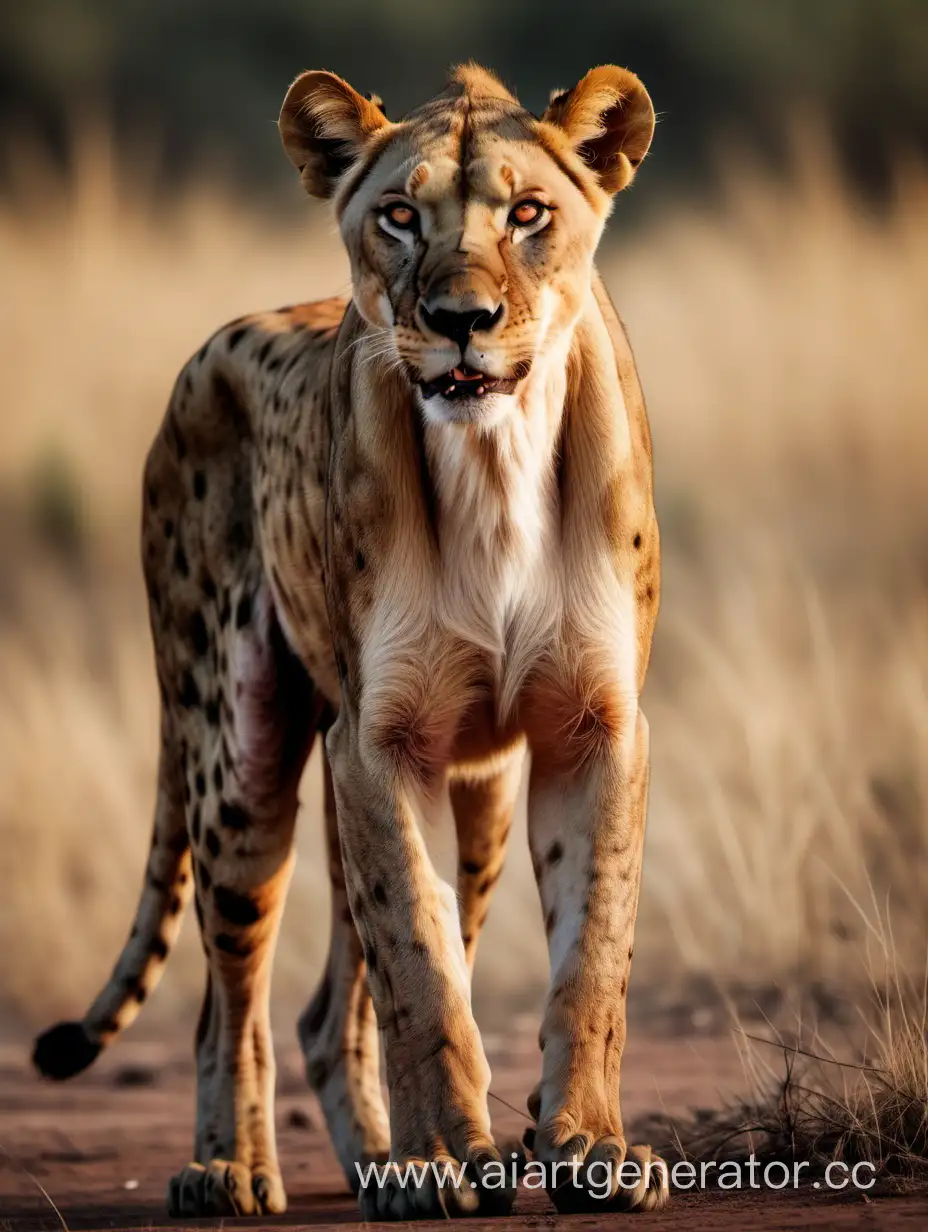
103,1146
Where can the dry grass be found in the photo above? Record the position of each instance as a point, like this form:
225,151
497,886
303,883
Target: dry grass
781,343
809,1104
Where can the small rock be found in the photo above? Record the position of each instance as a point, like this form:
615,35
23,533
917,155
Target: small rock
135,1076
299,1118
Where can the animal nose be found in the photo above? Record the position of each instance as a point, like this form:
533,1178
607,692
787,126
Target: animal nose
458,326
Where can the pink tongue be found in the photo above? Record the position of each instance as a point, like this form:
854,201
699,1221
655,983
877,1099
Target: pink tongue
459,375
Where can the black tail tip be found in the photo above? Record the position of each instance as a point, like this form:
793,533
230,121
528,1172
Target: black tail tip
63,1051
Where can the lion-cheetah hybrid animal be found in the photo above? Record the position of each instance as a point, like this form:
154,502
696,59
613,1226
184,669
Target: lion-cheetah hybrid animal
421,524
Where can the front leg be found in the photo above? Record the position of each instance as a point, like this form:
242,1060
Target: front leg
407,920
586,825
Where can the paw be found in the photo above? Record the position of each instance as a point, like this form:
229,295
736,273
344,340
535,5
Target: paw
225,1188
438,1189
586,1176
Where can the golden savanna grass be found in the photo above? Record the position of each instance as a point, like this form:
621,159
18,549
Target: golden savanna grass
781,342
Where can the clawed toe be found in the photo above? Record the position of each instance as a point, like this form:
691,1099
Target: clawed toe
224,1187
437,1189
605,1175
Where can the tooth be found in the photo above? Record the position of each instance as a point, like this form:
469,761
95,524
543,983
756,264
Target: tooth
450,389
481,390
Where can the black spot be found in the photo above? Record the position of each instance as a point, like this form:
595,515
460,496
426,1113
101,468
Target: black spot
204,880
471,867
195,823
199,485
168,528
212,712
199,636
237,909
180,562
637,541
550,921
265,351
64,1051
200,784
555,853
236,336
175,905
488,882
359,561
380,894
225,611
141,993
159,948
233,816
370,957
243,612
152,494
650,592
232,945
213,846
218,776
189,695
238,537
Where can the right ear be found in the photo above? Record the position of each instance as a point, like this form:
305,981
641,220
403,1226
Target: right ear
324,124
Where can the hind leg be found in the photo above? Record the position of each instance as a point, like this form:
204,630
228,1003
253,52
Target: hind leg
236,1170
483,808
338,1030
243,772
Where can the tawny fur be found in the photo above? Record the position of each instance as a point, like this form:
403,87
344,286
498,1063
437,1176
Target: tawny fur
327,550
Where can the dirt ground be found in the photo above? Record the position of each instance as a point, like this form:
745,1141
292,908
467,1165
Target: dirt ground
102,1147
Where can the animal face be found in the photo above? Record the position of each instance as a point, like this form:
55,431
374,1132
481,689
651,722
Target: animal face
471,224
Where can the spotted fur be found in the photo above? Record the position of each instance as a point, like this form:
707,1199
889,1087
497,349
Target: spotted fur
420,523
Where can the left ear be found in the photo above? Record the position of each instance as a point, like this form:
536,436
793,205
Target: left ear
609,120
324,125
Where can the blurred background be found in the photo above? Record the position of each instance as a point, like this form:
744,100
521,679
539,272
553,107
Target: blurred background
771,264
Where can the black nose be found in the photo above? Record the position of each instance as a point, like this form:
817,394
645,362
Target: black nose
458,326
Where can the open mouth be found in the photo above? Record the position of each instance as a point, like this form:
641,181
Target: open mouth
464,382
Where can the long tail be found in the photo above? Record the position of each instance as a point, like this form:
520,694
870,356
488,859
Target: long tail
69,1047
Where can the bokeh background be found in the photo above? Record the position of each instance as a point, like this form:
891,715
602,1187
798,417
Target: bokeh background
771,263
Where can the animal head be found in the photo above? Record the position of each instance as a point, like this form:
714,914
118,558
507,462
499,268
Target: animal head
471,224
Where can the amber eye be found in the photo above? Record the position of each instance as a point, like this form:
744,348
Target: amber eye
525,213
399,215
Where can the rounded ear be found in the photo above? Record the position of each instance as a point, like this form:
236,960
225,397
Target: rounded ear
609,120
323,124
